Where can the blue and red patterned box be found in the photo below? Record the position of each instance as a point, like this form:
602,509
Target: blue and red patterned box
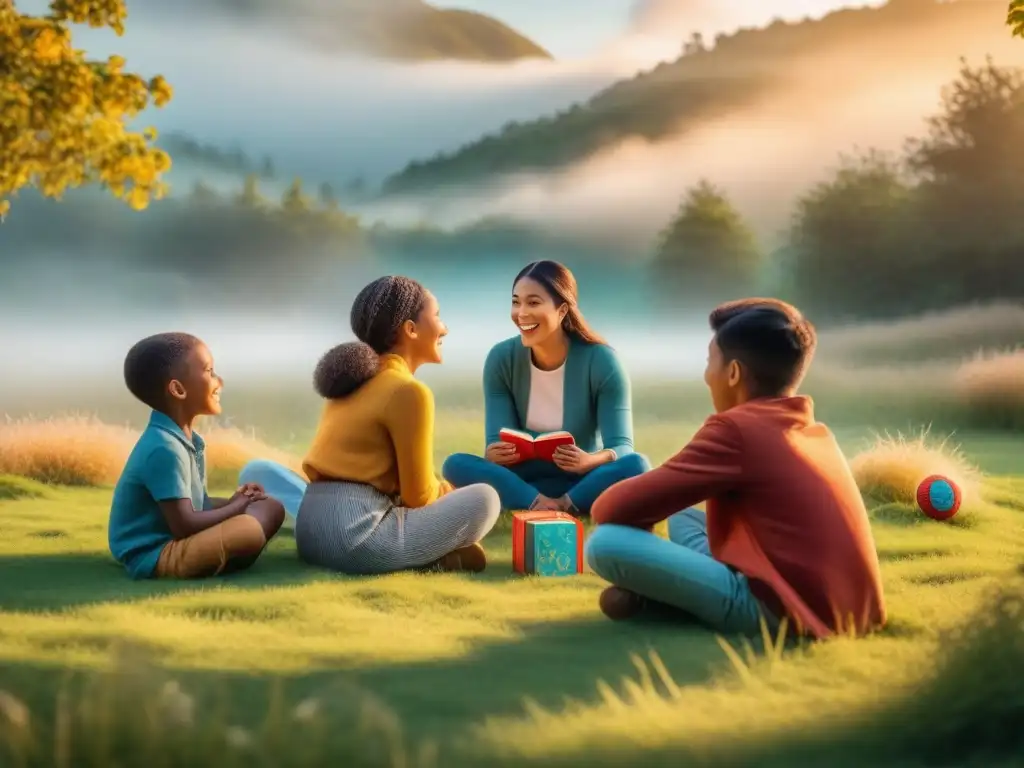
547,543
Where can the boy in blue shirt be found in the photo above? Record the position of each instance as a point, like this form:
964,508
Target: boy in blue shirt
163,523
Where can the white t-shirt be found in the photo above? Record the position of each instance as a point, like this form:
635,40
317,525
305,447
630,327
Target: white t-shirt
547,394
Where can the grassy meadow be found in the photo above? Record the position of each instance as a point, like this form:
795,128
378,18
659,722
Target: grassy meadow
287,665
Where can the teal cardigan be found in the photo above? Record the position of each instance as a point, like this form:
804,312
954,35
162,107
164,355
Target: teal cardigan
597,395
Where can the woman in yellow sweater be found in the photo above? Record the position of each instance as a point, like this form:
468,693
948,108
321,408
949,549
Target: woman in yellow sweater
374,503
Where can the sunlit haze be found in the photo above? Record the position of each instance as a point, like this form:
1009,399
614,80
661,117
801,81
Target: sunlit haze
333,115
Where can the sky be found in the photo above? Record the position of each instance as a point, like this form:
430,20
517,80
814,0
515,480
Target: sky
567,28
580,28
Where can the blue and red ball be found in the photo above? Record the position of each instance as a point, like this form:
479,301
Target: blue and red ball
938,497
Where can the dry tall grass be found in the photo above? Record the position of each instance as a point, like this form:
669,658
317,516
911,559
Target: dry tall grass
949,335
229,448
84,451
74,450
992,387
983,392
892,469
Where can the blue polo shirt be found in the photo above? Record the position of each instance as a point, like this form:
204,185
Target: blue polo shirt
164,465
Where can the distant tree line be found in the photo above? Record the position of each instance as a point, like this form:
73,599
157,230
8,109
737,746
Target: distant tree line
885,235
940,225
233,160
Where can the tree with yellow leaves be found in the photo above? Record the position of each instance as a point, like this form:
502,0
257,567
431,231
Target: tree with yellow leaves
63,118
1015,17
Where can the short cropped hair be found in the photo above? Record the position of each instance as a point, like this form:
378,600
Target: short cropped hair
152,363
771,339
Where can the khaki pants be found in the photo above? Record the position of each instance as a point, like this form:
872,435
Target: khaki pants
209,552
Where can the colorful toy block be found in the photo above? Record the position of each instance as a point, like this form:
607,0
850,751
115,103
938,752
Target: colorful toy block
547,543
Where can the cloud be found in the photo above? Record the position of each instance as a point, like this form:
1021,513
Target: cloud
657,28
673,16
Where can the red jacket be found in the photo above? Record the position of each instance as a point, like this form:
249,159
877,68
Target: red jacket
782,508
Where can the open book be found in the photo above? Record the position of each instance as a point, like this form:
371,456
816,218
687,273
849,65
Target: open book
540,447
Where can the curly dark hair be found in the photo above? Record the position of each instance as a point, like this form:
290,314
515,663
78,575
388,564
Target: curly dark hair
378,313
345,368
153,362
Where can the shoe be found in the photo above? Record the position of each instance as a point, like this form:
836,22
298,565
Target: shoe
472,559
618,603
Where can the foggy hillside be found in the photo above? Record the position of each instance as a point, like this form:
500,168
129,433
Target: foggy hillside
331,113
282,260
824,60
405,30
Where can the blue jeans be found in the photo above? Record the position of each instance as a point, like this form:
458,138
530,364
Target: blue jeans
277,480
519,484
679,572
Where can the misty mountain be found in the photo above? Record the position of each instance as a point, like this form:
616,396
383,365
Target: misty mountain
404,30
710,80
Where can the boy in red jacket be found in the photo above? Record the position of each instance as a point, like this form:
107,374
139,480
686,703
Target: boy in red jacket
786,533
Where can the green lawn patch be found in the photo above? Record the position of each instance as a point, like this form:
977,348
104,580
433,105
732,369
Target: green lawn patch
288,665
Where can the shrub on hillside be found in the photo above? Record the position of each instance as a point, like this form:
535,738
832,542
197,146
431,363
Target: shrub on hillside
84,451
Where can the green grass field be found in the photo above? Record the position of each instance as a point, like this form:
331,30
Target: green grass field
287,665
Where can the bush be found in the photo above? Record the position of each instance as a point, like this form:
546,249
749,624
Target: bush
75,450
891,470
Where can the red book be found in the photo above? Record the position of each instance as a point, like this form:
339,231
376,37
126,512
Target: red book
540,447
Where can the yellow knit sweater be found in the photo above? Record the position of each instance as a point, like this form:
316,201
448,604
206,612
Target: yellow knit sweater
383,435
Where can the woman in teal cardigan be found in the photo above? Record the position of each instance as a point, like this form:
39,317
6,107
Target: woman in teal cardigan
556,374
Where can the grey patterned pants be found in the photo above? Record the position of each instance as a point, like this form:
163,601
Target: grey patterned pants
354,528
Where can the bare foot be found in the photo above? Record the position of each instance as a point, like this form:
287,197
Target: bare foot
545,504
567,505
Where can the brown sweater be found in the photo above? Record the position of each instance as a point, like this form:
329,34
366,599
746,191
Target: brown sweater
782,508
